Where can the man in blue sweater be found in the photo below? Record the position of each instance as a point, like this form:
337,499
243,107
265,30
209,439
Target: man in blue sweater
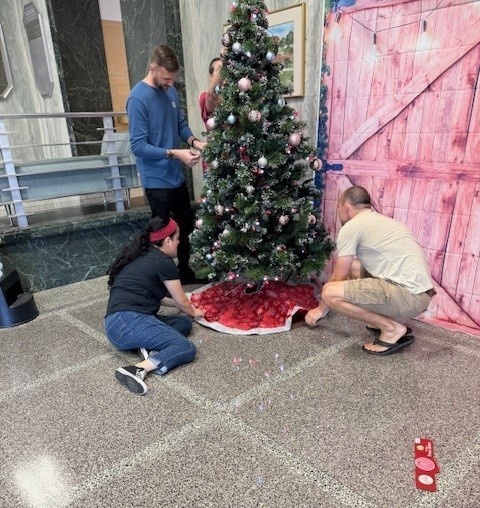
156,125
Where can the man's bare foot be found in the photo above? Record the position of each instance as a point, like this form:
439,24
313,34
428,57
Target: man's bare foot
390,337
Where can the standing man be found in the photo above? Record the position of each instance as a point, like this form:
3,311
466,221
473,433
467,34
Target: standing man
209,99
381,275
156,125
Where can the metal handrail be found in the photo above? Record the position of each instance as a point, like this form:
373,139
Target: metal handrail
17,116
15,208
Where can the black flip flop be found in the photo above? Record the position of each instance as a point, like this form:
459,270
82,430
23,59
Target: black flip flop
377,331
404,341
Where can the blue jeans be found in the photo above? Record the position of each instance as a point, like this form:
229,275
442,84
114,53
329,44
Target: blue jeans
166,335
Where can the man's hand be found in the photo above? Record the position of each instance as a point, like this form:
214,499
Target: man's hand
187,156
314,315
200,145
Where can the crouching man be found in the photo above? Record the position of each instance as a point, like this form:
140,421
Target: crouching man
381,276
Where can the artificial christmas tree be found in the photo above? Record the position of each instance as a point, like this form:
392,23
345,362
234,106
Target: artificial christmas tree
258,220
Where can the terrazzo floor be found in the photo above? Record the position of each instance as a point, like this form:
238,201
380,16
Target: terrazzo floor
298,419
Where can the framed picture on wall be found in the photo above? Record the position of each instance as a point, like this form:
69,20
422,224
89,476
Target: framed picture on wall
288,25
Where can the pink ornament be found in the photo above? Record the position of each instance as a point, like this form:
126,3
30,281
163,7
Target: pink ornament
211,124
294,139
312,219
283,219
254,115
199,223
244,84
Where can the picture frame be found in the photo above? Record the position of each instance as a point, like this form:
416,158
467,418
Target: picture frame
288,25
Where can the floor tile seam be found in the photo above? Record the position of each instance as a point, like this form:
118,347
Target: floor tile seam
84,327
336,490
74,306
465,350
128,464
266,387
58,374
452,475
296,370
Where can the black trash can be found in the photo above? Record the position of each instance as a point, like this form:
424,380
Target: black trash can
16,306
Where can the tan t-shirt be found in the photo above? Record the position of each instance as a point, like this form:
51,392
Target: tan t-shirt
386,249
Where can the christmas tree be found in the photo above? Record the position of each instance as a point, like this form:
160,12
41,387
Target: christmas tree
259,216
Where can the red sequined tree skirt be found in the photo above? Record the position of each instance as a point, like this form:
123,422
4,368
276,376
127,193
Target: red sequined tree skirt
230,309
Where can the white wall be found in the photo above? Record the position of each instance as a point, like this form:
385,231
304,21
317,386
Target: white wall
110,10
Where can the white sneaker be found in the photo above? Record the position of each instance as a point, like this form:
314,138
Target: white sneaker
132,377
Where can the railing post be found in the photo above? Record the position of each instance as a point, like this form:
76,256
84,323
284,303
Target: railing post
11,173
113,162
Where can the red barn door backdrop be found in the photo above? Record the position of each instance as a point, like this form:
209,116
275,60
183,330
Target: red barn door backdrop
404,121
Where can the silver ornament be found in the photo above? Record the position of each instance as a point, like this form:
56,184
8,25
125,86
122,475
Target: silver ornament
262,162
270,56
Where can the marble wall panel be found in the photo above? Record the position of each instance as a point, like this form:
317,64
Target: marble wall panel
25,97
74,250
79,38
147,23
202,28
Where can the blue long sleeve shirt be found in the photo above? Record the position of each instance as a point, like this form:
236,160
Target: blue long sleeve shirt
156,124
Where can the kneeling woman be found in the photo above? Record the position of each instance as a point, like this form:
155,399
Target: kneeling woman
140,277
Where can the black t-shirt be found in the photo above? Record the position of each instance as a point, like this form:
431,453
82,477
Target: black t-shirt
139,285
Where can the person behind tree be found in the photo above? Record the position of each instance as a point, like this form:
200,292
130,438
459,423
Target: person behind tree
209,99
156,125
381,275
142,275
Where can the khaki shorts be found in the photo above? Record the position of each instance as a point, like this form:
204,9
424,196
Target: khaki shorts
385,298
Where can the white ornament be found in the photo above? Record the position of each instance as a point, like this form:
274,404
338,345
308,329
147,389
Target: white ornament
270,56
283,219
237,48
214,164
231,119
219,209
262,162
250,189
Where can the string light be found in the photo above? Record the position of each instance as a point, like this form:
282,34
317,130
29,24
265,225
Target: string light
424,42
374,53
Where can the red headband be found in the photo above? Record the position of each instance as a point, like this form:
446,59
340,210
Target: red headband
161,234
